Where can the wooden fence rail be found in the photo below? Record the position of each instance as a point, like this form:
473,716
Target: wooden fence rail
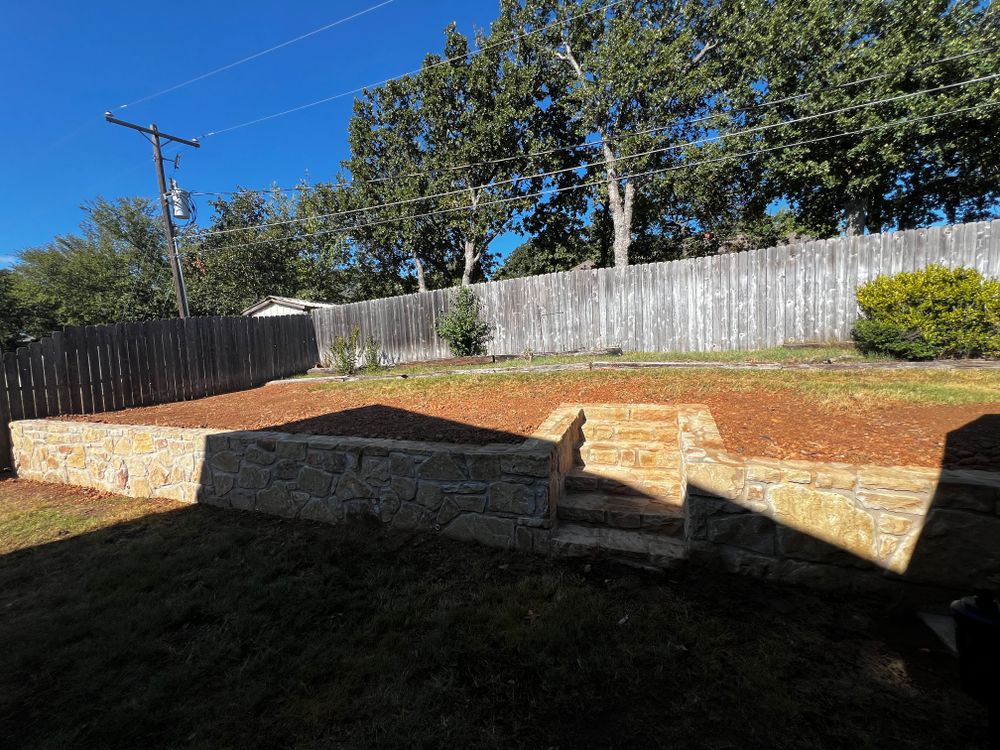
90,369
794,293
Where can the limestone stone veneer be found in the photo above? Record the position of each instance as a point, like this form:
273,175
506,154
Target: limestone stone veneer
827,524
501,495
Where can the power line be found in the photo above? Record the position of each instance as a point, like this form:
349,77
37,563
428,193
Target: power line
445,61
605,162
624,136
647,173
254,56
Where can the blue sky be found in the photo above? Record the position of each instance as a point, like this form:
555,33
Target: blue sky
66,63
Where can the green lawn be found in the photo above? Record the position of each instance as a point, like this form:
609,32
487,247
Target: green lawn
148,624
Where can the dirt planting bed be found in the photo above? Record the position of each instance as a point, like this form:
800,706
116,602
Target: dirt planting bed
821,417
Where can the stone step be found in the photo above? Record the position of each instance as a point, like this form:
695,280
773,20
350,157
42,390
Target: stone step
576,540
621,512
637,431
651,454
661,485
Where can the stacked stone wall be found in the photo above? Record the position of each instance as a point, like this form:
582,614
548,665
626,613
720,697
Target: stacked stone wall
502,495
837,525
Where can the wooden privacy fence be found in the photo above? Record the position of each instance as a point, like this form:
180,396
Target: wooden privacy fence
90,369
790,294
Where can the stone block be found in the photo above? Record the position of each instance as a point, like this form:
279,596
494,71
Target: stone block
225,461
716,480
798,545
895,525
404,487
158,475
746,530
442,467
322,509
429,495
447,513
413,516
142,442
887,478
352,487
249,477
222,483
260,457
314,481
959,496
286,469
505,497
402,465
375,468
277,501
327,459
77,458
483,467
294,448
139,487
901,503
491,531
835,478
531,465
388,505
827,516
242,499
758,472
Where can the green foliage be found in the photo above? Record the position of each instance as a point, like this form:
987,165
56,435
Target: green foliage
933,313
115,270
371,354
342,357
462,327
901,176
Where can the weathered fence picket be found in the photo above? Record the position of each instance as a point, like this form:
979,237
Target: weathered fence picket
796,293
85,370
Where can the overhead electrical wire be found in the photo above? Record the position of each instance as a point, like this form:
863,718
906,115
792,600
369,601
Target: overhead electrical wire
647,173
623,136
605,162
254,56
445,61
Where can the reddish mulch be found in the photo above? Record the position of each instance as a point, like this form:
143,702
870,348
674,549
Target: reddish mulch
774,423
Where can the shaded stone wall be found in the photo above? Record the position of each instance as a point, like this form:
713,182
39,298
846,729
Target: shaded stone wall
824,524
838,525
501,495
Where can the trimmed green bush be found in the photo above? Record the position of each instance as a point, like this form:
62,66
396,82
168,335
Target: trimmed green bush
934,313
462,327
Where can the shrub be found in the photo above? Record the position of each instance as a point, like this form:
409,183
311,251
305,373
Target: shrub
936,312
371,354
343,355
462,327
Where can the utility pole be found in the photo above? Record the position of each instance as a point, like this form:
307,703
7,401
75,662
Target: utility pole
168,225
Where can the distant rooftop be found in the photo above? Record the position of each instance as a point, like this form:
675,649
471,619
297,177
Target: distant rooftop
304,305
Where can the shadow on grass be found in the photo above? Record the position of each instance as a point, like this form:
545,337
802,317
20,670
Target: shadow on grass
203,627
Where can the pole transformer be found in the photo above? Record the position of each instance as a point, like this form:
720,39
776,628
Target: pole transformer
180,291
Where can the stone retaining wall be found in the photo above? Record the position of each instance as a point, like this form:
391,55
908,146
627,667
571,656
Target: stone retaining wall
837,525
502,494
825,524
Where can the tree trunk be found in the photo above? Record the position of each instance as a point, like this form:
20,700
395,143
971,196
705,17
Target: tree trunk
471,259
421,282
620,207
855,216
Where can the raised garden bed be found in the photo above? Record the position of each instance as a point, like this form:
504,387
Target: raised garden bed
895,418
